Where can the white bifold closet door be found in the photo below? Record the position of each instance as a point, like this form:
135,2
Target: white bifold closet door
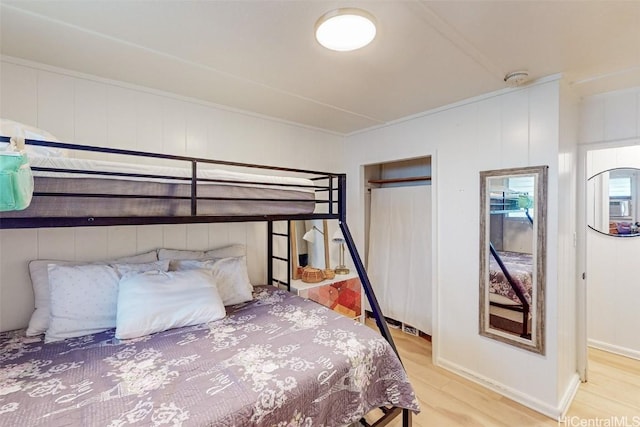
399,262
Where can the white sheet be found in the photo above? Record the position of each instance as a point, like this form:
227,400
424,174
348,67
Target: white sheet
105,166
399,262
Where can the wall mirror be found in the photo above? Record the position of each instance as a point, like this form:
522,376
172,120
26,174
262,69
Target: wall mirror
309,245
612,202
513,255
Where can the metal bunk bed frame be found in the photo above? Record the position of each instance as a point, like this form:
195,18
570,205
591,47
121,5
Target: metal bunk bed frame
336,210
524,304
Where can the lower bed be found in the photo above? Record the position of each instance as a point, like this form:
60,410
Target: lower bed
520,267
278,360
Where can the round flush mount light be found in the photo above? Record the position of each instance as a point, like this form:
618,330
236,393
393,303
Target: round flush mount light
516,78
345,29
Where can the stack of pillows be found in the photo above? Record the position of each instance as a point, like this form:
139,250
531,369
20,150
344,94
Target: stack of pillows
137,295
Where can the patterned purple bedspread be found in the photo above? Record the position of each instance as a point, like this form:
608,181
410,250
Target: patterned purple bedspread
278,360
520,267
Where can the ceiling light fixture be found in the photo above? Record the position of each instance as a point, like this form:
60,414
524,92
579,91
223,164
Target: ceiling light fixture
345,29
516,78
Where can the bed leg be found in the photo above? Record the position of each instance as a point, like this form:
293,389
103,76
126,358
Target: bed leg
270,253
406,418
525,323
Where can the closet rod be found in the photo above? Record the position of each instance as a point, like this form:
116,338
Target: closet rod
395,180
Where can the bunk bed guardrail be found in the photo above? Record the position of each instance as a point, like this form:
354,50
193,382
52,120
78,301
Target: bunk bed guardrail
193,180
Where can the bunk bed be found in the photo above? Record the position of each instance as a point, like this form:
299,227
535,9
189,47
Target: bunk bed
511,273
276,359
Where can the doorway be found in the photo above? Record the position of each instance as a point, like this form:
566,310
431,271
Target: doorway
609,243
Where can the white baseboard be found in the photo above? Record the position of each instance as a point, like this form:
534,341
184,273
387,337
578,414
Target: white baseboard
612,348
554,412
569,394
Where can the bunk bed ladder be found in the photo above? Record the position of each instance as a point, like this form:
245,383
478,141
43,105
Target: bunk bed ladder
271,257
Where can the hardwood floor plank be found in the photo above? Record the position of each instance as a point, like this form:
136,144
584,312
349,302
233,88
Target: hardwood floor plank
605,406
449,400
512,415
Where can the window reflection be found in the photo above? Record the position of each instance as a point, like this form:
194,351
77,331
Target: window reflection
613,198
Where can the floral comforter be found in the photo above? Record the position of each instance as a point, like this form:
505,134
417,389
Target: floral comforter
520,267
278,360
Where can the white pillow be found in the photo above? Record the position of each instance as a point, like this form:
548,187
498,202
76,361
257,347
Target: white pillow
83,300
13,128
84,297
223,252
229,274
132,269
38,270
154,302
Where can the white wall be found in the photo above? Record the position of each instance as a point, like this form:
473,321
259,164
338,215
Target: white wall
612,273
517,235
612,117
610,124
93,111
503,130
568,379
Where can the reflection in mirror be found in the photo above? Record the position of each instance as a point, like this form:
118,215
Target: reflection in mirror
512,255
309,245
613,202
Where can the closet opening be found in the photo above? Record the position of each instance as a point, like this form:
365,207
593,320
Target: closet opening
398,212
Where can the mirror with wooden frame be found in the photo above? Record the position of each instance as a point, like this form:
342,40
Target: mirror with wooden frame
513,204
309,243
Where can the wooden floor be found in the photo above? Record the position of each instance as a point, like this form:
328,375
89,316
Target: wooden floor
448,400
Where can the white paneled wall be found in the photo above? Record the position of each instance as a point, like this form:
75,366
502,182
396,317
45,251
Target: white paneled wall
19,94
16,294
92,111
55,105
513,129
610,117
567,238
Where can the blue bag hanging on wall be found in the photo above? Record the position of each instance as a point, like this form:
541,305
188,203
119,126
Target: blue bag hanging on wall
16,181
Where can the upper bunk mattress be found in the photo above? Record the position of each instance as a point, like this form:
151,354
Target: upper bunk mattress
168,196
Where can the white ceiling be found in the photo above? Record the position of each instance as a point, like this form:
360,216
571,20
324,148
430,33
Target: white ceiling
261,56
